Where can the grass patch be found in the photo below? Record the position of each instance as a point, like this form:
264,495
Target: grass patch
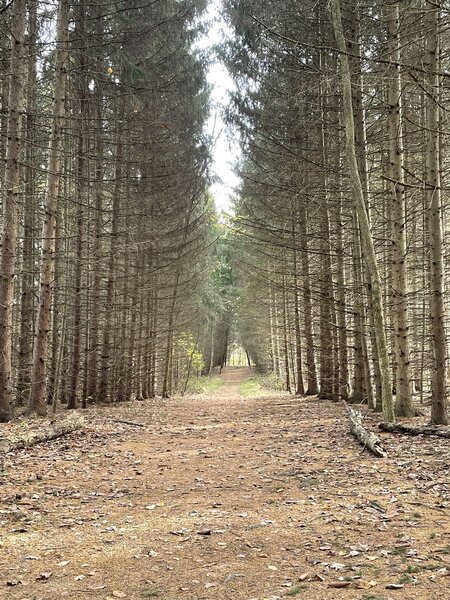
296,590
204,385
250,387
423,567
255,385
399,551
150,594
412,569
210,384
432,567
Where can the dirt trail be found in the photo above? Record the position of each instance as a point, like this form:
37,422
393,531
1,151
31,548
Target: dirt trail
225,497
232,377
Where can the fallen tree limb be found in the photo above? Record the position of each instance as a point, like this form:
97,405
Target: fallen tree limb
415,429
133,423
35,436
366,438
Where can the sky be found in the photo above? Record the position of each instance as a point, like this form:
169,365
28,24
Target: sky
225,151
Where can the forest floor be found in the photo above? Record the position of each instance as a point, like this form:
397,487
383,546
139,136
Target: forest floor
224,496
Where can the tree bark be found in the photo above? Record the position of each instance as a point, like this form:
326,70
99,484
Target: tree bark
300,389
311,378
366,438
17,78
40,350
43,434
28,256
80,33
287,373
358,198
415,429
433,193
403,406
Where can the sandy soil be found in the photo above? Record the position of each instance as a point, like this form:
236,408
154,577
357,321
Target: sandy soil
225,497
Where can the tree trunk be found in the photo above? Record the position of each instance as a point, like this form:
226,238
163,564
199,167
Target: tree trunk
43,434
80,34
92,382
326,277
28,265
287,374
358,198
365,437
311,381
300,389
403,406
112,259
433,187
341,306
359,377
17,78
39,368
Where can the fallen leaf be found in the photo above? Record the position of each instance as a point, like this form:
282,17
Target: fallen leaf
360,584
339,584
94,588
337,566
360,547
233,576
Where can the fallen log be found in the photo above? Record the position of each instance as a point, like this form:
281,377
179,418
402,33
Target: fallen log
366,438
24,439
415,429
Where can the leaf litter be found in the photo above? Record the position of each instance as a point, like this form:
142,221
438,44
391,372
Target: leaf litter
225,497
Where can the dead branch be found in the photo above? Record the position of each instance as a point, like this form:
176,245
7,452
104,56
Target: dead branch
366,438
415,429
133,423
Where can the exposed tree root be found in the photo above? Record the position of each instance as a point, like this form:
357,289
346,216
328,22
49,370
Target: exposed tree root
43,434
366,438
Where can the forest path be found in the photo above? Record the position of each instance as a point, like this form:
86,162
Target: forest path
225,497
232,378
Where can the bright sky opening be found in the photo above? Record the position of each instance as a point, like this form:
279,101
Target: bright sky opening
225,150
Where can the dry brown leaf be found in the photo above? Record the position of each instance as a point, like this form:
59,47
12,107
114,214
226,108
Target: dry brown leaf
339,584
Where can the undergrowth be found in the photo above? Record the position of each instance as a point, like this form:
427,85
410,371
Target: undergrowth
253,386
204,385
